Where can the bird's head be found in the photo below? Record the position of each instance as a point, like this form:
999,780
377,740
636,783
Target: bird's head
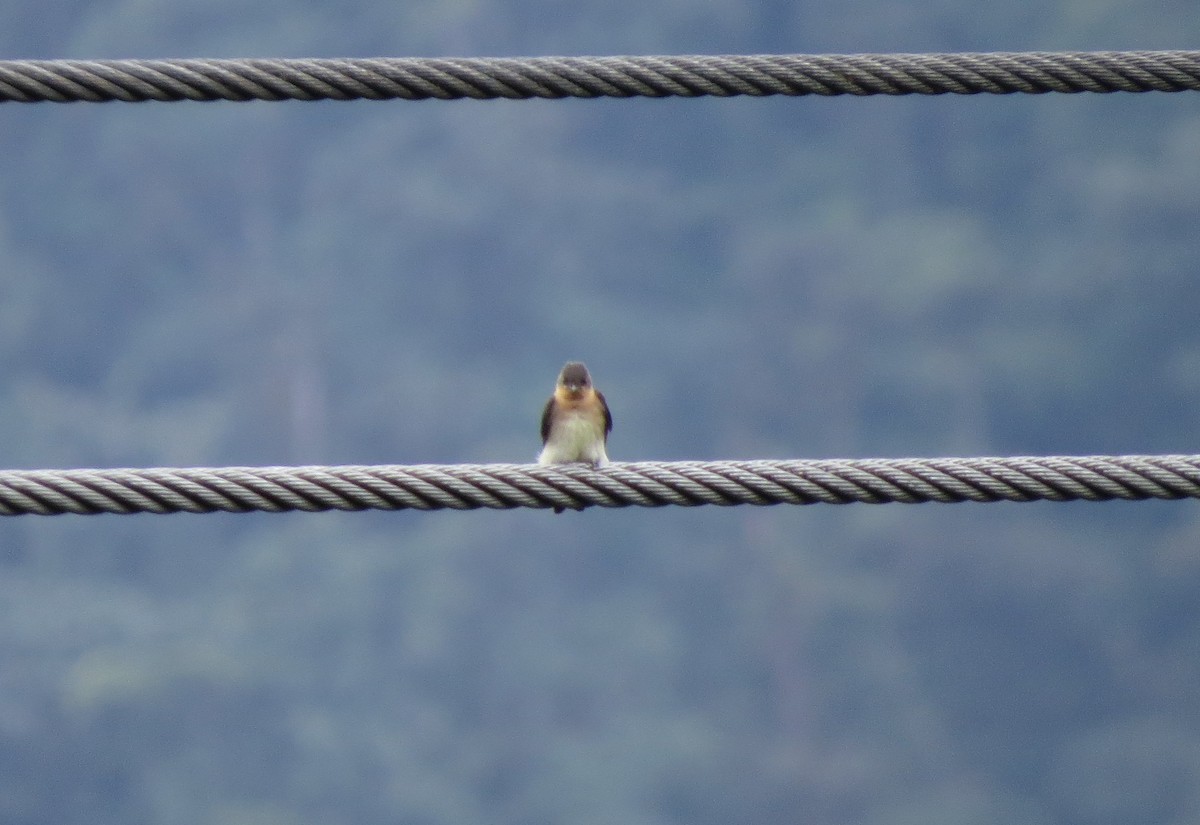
574,378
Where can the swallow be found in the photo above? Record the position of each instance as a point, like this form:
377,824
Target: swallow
576,421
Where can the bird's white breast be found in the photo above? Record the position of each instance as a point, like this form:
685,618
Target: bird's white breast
574,436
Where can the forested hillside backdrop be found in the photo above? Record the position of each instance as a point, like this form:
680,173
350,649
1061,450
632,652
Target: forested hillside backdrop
296,283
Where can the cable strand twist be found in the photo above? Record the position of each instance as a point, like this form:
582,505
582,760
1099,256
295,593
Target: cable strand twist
576,487
65,81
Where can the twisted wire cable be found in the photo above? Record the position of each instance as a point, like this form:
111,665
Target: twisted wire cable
65,81
578,486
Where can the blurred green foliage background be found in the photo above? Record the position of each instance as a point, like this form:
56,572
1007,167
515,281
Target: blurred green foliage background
292,283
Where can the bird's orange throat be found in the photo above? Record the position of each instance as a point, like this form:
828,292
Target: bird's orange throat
570,399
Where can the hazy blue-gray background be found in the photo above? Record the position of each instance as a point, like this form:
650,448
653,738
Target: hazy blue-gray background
210,284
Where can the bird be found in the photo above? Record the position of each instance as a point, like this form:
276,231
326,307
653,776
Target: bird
576,421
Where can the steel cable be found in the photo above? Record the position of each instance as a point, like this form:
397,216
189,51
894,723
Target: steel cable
411,78
641,484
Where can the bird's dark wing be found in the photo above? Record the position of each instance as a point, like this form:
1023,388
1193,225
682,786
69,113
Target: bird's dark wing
546,419
607,414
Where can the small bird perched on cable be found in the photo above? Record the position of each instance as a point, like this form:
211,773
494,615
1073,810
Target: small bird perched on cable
576,421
